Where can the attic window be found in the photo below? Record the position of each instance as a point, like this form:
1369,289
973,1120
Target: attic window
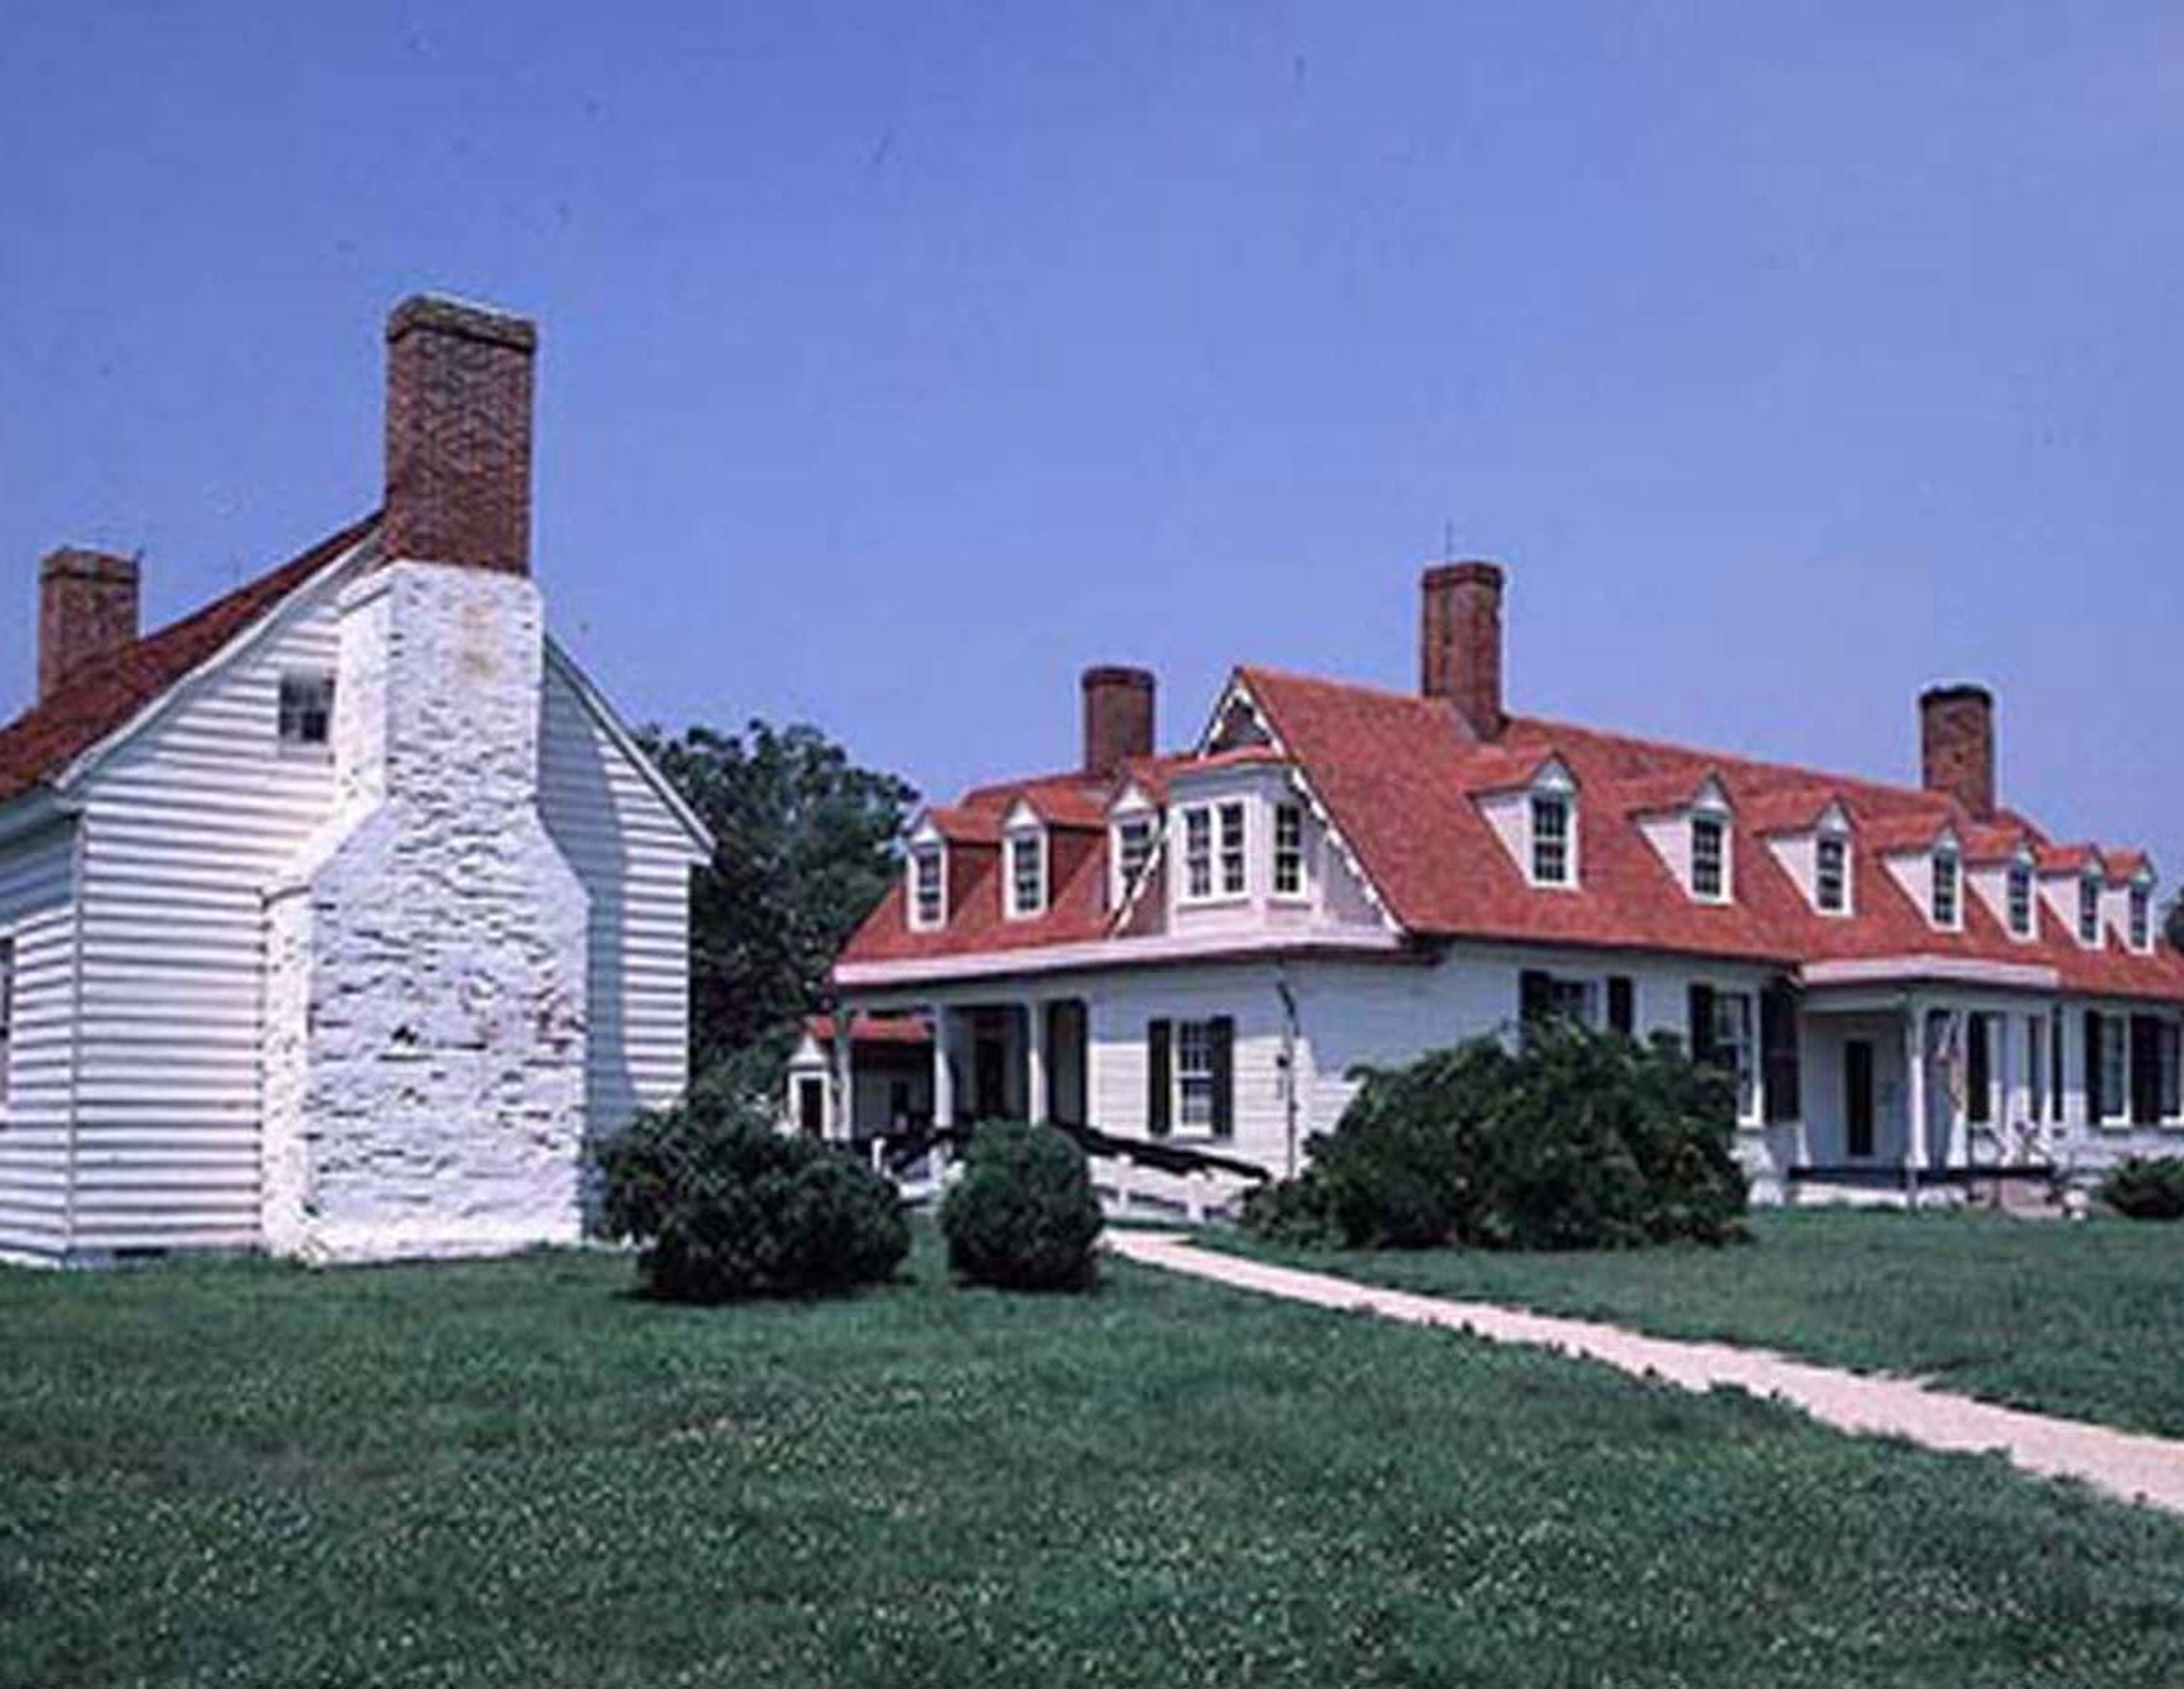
928,905
1027,875
2020,899
2089,909
307,711
1550,838
1134,849
2142,918
1831,876
1709,858
1948,907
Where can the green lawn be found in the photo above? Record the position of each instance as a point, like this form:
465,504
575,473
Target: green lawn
2085,1319
514,1474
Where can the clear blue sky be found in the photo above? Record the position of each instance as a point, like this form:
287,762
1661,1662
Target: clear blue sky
898,359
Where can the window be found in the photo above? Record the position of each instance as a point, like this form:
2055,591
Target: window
307,709
1026,874
1231,849
6,1012
2089,909
1289,850
1947,889
2142,918
1194,1075
2036,1065
1832,877
2170,1041
1134,849
2115,1068
1197,853
2020,899
1709,847
1733,1048
1572,1000
928,897
1551,840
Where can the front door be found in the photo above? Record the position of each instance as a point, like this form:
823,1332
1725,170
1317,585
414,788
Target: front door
1857,1099
989,1077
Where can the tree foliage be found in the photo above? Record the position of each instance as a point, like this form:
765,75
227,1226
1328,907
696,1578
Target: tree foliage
1024,1216
1577,1140
805,845
2174,922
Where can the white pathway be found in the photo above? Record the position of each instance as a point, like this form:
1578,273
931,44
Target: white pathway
2123,1464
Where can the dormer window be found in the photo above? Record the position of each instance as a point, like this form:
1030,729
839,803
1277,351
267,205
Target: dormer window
2089,909
1289,850
1027,882
1831,875
1197,853
2020,899
306,711
1947,905
2141,916
1233,860
1134,849
1552,861
928,888
1709,858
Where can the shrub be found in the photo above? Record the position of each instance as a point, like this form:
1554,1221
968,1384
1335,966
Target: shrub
725,1207
1024,1215
1575,1140
2146,1188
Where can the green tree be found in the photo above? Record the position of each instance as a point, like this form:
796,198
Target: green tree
2176,920
806,844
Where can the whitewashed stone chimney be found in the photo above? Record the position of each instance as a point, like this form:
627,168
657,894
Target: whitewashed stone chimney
426,992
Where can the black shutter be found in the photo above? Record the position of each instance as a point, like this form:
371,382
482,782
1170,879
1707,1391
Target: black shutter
1979,1072
1778,1043
1702,1023
1160,1077
1221,1036
1535,996
1621,1012
2096,1104
2145,1071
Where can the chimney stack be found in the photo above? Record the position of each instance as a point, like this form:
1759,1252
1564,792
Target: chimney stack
1118,717
1460,641
86,611
459,435
1956,743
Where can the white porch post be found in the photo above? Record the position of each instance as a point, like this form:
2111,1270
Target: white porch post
1914,1112
1037,1108
1956,1135
944,1078
844,1123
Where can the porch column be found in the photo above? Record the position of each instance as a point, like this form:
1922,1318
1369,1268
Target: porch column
944,1078
844,1123
1957,1129
1037,1109
1915,1109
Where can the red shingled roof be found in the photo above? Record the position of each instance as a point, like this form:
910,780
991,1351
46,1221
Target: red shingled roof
1402,782
45,738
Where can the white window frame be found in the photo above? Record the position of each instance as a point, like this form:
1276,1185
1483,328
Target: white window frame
6,1018
1192,1078
923,857
1196,823
1822,844
1287,839
2018,878
1145,826
2089,911
1737,1035
1947,886
2115,1098
1232,847
1713,823
2139,919
1021,907
1537,803
290,717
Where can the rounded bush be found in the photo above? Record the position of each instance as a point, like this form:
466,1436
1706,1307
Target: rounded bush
725,1207
1023,1217
2146,1188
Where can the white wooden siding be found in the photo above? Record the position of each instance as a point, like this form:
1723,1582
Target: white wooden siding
634,857
184,826
37,914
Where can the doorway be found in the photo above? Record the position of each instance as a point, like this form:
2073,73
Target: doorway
1857,1099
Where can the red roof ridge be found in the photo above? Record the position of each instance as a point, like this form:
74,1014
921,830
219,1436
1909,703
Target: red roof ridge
44,740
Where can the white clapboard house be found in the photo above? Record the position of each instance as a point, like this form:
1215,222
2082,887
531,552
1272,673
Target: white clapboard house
336,915
1909,983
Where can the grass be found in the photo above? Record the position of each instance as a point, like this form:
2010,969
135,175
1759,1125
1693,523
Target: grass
513,1474
2084,1320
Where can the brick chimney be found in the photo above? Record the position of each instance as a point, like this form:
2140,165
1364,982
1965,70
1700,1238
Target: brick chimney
1956,743
459,435
1118,717
86,611
1460,641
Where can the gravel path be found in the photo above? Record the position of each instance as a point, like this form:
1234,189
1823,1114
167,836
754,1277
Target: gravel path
2123,1464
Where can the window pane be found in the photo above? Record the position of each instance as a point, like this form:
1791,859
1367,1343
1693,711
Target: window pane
2020,900
1289,850
1706,856
1194,1074
1831,885
306,709
1944,889
2089,913
1231,849
1027,881
1551,840
926,864
1197,852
